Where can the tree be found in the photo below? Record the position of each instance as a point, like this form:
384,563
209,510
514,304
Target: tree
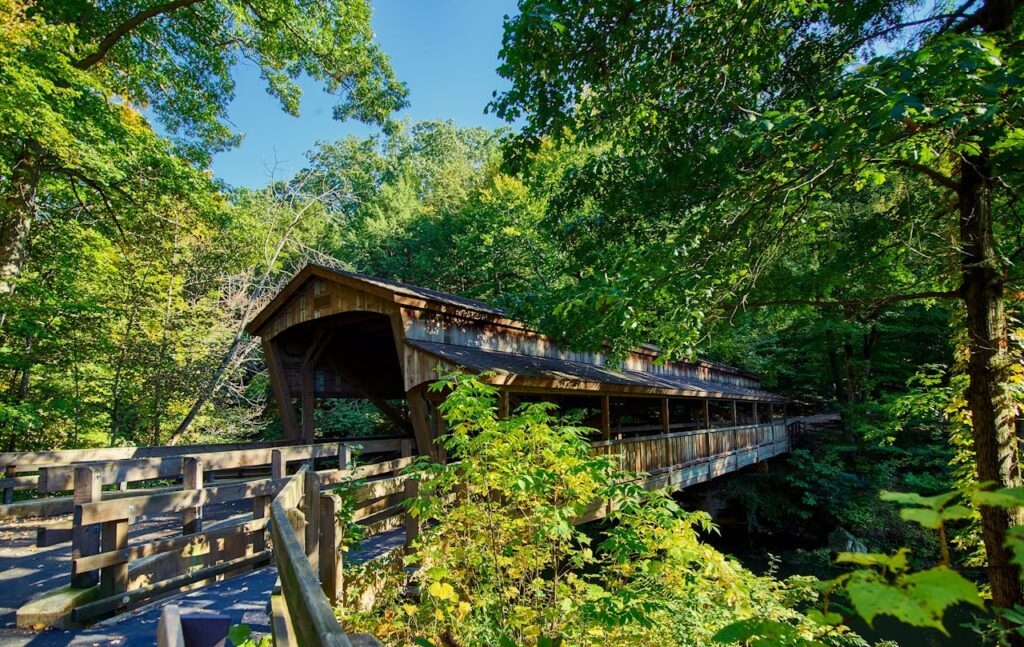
725,128
74,76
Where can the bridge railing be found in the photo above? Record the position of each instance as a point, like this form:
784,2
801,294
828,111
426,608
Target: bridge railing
307,536
731,447
130,573
53,472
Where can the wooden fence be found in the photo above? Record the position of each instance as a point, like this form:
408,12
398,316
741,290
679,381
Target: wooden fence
53,472
128,573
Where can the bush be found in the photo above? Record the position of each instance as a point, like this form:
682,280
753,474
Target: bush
501,561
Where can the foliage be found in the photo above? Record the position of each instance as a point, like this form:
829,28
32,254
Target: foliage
500,560
241,636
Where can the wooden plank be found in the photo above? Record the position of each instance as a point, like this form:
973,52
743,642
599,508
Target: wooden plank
331,557
606,418
85,535
10,477
192,479
105,605
279,385
47,536
333,477
135,552
311,508
137,506
281,623
24,460
411,523
422,429
169,632
24,482
308,378
260,514
64,505
377,489
114,577
61,478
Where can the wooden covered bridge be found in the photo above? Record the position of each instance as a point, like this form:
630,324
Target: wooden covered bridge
128,538
336,334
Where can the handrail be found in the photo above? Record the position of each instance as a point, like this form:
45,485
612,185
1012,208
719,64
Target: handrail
303,614
681,434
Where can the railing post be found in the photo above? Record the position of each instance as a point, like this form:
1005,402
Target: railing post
260,510
406,448
114,579
10,472
412,525
344,456
331,558
277,466
85,540
192,473
311,508
606,418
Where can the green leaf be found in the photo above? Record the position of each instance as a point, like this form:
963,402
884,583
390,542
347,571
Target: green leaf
924,516
1002,498
238,634
896,562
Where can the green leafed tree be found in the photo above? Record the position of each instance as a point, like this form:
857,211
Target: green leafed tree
75,75
724,131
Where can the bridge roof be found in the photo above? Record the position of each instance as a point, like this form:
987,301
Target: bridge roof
465,332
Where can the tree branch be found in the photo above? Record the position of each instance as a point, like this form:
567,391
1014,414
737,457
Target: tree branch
825,303
126,27
942,180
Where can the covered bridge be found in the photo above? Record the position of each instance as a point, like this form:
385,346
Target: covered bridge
336,334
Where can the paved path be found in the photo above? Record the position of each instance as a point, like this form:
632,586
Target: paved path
25,572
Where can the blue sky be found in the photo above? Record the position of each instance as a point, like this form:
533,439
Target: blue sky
446,51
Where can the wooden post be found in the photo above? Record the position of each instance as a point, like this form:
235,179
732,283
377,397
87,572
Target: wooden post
606,418
168,629
735,414
279,385
277,465
421,424
664,416
406,448
311,508
114,579
331,559
10,472
260,510
412,525
192,471
85,540
308,392
503,404
344,456
707,413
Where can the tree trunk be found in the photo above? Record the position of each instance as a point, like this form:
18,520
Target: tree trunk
208,390
992,411
19,211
